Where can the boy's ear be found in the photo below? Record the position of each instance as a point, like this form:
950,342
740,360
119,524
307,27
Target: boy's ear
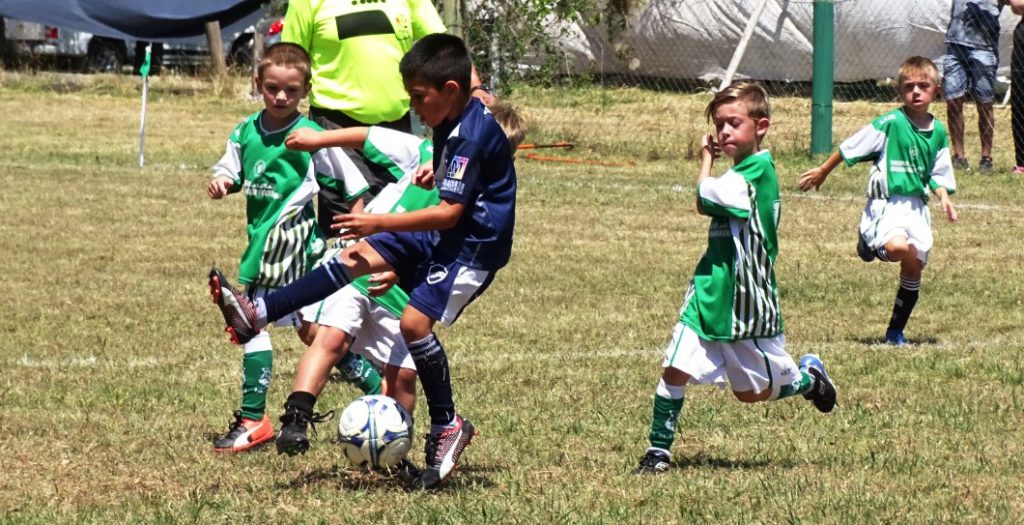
762,125
256,82
452,87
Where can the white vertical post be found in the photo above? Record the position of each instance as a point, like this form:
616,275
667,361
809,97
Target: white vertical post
741,49
144,70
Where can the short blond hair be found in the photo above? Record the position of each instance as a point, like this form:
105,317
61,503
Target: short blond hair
286,54
510,121
752,94
918,65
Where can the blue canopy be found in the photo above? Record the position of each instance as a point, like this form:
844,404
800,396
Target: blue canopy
131,19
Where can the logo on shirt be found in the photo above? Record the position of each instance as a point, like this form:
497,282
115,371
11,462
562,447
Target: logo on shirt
457,167
436,273
259,168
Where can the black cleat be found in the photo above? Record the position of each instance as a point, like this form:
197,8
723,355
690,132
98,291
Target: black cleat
292,440
823,393
238,311
653,462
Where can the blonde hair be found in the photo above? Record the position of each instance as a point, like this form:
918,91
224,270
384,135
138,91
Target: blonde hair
753,95
918,65
286,55
510,121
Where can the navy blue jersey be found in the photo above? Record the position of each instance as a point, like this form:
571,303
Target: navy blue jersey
475,169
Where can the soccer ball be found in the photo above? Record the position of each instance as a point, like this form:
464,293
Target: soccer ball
375,430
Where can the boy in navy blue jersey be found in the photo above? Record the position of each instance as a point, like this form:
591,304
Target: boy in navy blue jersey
450,251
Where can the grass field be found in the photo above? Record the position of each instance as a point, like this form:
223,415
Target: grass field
117,372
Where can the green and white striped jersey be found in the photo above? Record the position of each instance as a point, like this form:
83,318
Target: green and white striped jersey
401,153
907,160
279,185
733,294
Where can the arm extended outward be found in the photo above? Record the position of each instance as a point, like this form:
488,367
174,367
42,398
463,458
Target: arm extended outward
814,177
443,216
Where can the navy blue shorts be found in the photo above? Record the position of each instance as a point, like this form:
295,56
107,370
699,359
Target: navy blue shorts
441,287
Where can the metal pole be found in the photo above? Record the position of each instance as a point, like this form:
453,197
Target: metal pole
144,71
741,49
823,79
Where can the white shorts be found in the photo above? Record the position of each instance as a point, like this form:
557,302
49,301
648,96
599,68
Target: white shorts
375,330
899,216
756,365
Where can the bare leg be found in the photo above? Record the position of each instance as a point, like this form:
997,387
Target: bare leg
328,347
955,114
986,128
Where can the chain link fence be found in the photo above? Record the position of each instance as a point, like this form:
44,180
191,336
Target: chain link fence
693,46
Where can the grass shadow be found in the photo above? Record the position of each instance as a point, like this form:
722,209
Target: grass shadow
354,479
880,341
704,461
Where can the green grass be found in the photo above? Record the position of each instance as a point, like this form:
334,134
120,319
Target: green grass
116,370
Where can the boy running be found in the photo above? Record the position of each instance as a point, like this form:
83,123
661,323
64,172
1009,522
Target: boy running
284,239
730,325
910,156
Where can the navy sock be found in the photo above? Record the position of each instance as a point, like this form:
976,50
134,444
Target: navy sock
432,369
308,289
906,298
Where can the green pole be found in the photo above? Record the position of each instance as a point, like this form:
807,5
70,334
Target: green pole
822,82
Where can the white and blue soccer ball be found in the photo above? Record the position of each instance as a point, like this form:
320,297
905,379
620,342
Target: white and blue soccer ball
375,431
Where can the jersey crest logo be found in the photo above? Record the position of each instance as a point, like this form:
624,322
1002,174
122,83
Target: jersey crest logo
436,274
259,168
457,167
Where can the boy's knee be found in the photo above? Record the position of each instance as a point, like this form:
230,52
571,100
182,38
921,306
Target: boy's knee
750,396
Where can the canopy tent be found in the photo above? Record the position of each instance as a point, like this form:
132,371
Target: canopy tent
131,19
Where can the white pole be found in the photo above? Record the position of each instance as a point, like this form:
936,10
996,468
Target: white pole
737,55
145,95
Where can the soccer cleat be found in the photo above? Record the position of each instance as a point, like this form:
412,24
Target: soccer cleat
823,392
244,434
985,165
960,163
653,462
405,469
895,337
238,311
864,251
292,440
443,450
1017,170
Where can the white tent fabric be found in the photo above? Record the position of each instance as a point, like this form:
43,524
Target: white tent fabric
696,38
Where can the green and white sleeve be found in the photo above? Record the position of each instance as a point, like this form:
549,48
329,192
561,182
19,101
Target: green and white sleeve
334,169
399,152
725,196
230,165
942,172
866,144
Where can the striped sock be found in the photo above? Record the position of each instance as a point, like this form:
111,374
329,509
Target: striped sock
906,299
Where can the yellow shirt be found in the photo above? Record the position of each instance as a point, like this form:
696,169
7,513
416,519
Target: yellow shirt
355,47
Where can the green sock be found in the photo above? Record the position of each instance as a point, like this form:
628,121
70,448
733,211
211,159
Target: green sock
256,369
361,373
798,386
663,426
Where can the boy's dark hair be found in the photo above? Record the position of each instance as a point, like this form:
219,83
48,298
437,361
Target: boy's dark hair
288,55
436,59
753,95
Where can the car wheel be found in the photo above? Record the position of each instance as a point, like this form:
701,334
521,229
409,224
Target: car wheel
104,57
241,53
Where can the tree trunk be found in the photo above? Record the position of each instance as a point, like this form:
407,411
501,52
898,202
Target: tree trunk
218,64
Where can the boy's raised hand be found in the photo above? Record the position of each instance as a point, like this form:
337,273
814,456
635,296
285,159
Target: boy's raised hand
382,282
218,186
709,148
356,225
303,139
812,178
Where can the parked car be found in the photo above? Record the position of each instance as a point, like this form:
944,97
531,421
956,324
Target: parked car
102,54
